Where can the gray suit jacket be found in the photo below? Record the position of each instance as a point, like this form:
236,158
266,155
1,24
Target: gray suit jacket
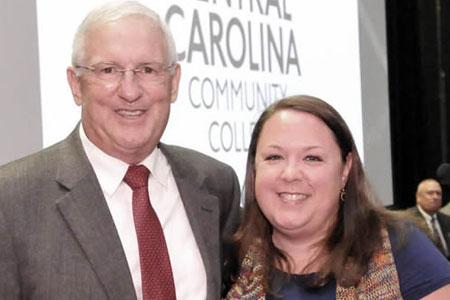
443,219
57,236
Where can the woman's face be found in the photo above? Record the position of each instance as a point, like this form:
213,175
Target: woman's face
299,175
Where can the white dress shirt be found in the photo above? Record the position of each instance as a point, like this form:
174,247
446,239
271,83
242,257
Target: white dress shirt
187,265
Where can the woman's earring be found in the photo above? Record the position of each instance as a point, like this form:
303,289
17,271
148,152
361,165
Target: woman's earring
342,194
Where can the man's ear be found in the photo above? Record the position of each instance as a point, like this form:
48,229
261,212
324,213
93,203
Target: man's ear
175,82
74,83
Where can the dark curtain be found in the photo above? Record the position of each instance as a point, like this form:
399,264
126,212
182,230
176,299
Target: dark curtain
418,37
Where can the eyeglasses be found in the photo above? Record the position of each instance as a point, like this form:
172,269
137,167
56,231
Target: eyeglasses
146,73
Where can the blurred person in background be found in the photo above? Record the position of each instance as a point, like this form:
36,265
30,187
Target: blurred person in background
427,216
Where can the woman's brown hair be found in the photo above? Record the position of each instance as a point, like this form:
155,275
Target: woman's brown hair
357,232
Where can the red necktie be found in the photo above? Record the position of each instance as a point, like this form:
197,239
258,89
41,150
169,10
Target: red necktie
156,273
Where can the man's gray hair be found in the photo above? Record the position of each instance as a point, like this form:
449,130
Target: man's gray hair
116,10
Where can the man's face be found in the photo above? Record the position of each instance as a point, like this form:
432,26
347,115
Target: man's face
127,117
429,196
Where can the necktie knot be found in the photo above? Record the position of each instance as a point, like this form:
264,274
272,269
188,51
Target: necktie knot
137,176
433,219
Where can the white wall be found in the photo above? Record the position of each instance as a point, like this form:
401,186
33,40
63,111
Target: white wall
20,112
375,98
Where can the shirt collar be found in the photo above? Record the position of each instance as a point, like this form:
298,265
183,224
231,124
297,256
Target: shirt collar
110,171
427,217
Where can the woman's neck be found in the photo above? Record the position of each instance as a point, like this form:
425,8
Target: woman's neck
306,255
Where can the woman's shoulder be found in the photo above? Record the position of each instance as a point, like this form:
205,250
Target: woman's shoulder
421,268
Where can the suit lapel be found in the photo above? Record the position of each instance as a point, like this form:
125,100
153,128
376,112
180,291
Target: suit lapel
423,223
203,212
444,222
86,213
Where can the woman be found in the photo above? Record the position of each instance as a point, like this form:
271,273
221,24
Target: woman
312,228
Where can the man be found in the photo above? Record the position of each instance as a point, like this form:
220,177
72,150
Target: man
426,213
68,213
